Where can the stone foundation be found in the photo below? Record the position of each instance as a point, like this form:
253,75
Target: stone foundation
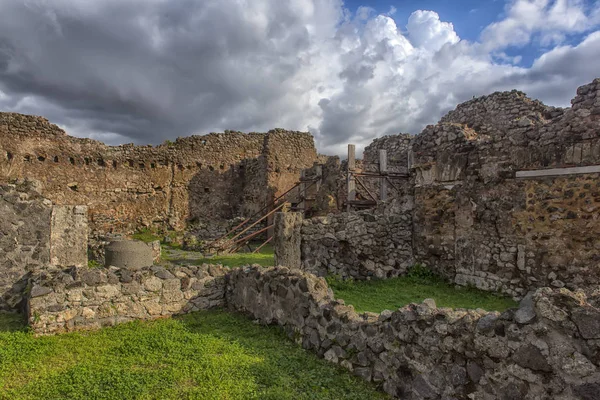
547,349
89,298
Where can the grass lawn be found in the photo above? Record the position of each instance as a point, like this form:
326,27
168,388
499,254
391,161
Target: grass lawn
390,294
265,258
205,355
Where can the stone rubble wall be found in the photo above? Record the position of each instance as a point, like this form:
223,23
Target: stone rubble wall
357,245
547,349
89,298
35,234
477,225
192,180
472,220
24,240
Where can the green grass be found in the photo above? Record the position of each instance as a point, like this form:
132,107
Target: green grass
265,258
206,355
390,294
146,235
12,322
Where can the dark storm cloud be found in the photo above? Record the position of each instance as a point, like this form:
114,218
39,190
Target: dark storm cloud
150,70
147,70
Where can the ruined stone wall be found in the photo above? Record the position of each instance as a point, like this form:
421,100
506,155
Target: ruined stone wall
24,240
87,298
547,349
357,245
475,223
35,235
191,180
473,220
398,150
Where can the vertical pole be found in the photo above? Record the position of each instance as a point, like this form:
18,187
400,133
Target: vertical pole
319,175
383,173
350,178
302,202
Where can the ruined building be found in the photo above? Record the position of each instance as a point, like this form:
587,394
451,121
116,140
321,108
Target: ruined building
209,179
503,193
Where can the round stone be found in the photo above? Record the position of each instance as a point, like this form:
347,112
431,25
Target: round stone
129,254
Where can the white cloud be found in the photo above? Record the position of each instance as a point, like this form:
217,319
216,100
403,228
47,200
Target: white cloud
150,70
426,31
551,19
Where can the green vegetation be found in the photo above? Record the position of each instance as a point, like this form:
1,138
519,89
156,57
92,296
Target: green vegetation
94,264
11,323
390,294
207,355
146,235
265,258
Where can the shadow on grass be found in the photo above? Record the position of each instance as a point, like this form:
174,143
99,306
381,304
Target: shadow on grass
12,322
287,371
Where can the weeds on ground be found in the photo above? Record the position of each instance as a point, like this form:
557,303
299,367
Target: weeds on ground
419,284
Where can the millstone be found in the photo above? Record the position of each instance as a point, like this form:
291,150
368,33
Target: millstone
129,254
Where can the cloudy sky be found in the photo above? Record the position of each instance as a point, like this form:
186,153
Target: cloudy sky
145,71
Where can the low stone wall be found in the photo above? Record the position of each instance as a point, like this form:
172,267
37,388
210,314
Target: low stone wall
357,244
547,349
87,298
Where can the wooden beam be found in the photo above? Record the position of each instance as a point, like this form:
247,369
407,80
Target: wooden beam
367,190
351,157
301,203
591,169
383,172
351,183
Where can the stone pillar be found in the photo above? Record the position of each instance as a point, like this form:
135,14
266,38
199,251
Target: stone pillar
69,236
287,239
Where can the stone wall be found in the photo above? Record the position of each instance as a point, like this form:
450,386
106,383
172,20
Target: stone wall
472,219
89,298
24,239
34,235
358,245
547,349
193,180
476,223
69,236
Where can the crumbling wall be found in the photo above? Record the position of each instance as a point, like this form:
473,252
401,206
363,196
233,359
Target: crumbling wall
398,154
287,239
69,236
215,177
357,244
87,298
547,349
476,223
24,240
34,236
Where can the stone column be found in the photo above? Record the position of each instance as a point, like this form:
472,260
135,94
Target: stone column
69,236
287,239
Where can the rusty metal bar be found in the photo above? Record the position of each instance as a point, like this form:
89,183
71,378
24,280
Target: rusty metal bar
264,216
263,245
241,242
255,214
250,236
